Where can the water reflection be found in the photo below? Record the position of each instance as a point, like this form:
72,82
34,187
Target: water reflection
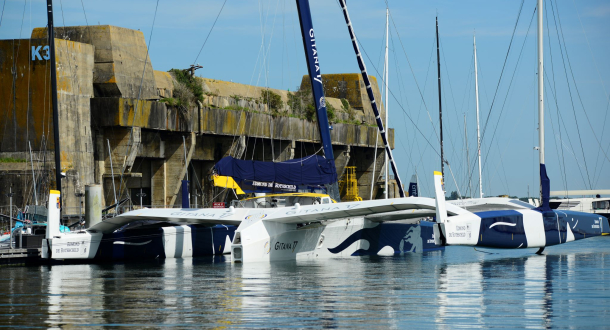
85,292
460,293
458,288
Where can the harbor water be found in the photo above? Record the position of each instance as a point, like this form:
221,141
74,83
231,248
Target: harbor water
567,287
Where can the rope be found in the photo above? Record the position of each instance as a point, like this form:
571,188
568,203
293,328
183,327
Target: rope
603,86
570,90
210,32
137,110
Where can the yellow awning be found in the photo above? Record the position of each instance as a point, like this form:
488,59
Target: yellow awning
227,182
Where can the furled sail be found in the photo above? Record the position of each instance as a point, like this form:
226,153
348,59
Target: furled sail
290,175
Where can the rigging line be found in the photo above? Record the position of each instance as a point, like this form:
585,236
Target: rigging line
85,13
555,140
560,119
413,74
264,64
563,162
412,142
381,51
137,107
508,90
602,82
398,101
2,15
210,32
14,85
400,89
507,93
468,86
233,149
468,89
577,90
449,133
452,98
557,19
511,135
27,129
503,67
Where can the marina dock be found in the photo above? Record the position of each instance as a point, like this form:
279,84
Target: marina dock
19,256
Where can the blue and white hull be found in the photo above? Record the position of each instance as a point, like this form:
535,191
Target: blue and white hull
264,241
522,228
156,242
166,242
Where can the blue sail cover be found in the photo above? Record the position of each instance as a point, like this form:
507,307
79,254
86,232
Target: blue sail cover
257,176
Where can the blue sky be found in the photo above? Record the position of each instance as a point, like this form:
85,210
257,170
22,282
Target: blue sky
233,52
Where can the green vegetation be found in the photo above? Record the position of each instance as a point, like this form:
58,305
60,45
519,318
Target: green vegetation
310,112
238,108
187,89
169,101
345,105
273,101
12,160
330,112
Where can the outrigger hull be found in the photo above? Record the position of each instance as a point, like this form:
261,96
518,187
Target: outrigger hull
508,229
155,242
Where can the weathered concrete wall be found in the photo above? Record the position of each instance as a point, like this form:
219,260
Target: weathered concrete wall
26,116
165,84
120,57
232,122
230,89
99,85
350,86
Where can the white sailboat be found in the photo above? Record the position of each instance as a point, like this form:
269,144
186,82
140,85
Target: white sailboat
519,228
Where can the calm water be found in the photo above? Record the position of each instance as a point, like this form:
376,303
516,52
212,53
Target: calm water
569,287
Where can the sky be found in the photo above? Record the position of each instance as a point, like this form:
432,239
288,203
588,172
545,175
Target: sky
258,42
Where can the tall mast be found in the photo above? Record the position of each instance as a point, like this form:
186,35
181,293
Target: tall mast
369,92
476,92
540,84
51,33
545,184
315,76
387,66
467,156
440,106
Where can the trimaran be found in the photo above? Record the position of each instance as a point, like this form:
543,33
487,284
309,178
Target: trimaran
312,227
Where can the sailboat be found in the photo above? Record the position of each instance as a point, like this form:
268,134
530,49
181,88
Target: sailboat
518,228
298,226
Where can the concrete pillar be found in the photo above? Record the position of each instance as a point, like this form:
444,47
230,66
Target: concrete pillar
93,205
157,183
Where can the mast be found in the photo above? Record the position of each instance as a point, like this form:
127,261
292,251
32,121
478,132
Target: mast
467,156
545,184
440,106
369,92
476,92
387,63
51,33
315,76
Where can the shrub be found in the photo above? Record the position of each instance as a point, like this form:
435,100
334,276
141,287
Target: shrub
310,112
187,90
330,112
272,100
